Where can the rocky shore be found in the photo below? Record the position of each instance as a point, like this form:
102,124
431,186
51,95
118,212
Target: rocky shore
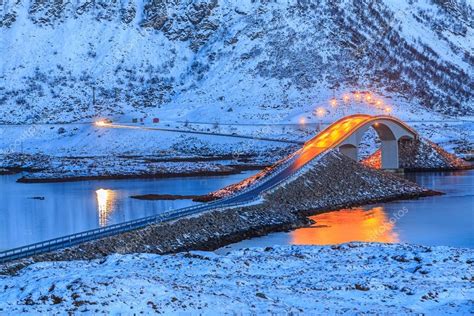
330,182
46,169
4,171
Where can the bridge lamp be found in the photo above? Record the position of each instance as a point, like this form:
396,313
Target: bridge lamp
346,98
320,112
379,103
333,102
368,97
357,96
388,109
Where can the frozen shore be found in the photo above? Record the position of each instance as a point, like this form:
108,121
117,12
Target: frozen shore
349,278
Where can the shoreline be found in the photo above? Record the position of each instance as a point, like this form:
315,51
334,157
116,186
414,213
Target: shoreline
300,219
302,222
236,169
416,279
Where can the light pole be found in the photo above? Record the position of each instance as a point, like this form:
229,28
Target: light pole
320,112
346,98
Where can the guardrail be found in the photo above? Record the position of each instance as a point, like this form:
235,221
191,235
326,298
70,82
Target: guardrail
93,234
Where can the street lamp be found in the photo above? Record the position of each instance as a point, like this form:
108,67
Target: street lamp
388,110
333,102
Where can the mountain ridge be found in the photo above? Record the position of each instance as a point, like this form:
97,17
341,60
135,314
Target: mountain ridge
253,60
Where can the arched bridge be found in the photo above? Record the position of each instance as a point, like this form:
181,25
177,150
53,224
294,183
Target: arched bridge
344,134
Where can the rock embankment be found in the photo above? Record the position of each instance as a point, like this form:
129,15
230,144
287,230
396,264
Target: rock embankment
337,181
421,155
330,182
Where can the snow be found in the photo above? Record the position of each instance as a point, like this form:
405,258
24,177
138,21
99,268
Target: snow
349,278
265,63
279,68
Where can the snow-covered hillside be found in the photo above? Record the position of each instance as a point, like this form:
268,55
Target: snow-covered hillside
353,278
208,60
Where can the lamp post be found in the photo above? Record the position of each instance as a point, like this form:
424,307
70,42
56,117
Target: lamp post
346,98
320,112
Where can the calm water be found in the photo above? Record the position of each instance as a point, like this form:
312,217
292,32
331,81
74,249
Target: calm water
78,206
446,220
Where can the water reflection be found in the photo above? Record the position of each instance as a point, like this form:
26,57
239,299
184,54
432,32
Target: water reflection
105,204
372,225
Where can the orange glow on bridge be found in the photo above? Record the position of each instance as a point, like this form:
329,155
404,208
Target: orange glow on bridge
335,134
328,138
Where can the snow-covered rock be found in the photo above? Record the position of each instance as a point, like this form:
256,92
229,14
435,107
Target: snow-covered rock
350,278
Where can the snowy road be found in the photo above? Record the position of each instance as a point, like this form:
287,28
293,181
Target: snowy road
147,128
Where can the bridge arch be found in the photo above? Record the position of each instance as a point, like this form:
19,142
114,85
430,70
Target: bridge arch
346,135
389,131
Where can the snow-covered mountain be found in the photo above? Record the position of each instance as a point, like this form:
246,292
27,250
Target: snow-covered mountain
64,61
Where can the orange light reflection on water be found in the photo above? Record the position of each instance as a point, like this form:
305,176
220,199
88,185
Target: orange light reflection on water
347,225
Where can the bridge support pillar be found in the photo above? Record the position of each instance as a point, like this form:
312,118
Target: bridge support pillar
349,151
389,150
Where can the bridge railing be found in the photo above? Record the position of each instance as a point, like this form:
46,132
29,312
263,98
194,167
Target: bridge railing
300,170
94,234
272,173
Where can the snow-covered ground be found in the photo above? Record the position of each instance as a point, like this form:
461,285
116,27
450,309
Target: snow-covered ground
78,140
349,278
85,150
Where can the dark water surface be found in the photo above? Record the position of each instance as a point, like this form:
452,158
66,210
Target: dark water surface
446,220
73,207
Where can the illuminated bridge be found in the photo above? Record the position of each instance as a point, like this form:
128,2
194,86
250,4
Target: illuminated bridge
344,135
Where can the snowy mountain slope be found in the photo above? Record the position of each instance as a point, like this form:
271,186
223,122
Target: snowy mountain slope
261,60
